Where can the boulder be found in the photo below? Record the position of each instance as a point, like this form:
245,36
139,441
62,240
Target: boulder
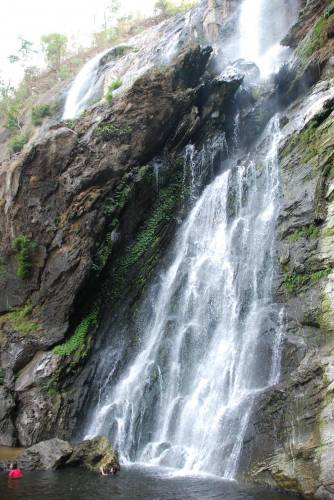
93,454
46,455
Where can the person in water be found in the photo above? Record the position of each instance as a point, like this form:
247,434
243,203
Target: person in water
14,472
106,472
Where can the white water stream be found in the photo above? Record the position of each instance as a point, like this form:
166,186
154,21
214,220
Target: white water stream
213,340
211,335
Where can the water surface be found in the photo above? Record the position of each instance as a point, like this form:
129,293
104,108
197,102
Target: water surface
130,484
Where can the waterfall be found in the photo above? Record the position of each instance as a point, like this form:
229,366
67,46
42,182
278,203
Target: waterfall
210,345
84,88
262,25
210,333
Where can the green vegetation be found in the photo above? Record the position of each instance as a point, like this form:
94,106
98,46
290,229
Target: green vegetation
309,232
110,132
326,316
77,343
2,376
297,282
20,320
114,85
23,247
50,386
318,37
103,253
148,237
54,46
17,142
170,8
329,10
63,57
39,112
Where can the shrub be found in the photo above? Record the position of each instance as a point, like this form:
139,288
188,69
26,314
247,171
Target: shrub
114,85
329,10
109,95
17,142
39,112
108,132
23,246
20,320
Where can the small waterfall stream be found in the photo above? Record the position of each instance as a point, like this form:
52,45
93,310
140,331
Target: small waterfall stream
211,338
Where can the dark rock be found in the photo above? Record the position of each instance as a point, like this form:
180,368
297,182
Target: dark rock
7,405
46,455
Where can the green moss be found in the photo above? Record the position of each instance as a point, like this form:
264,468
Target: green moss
23,248
326,316
39,112
77,342
297,282
309,232
20,320
108,132
318,36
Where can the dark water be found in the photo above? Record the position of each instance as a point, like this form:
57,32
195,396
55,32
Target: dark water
130,484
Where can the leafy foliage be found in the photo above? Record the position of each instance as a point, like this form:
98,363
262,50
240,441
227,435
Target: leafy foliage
54,46
39,112
109,132
78,339
115,84
329,11
169,198
23,247
17,142
170,8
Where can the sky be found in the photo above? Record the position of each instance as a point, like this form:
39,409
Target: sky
33,18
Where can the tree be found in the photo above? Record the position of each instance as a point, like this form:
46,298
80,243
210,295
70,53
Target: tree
162,7
24,53
54,47
110,13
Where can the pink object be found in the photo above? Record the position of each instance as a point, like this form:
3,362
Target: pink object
15,473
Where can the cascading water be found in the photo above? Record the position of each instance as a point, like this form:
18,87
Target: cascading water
210,332
83,88
210,344
261,27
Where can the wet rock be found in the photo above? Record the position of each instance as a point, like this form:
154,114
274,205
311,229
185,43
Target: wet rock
46,455
249,69
42,366
93,454
36,418
7,430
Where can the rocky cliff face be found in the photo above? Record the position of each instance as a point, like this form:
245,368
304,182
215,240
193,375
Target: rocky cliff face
84,226
290,441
